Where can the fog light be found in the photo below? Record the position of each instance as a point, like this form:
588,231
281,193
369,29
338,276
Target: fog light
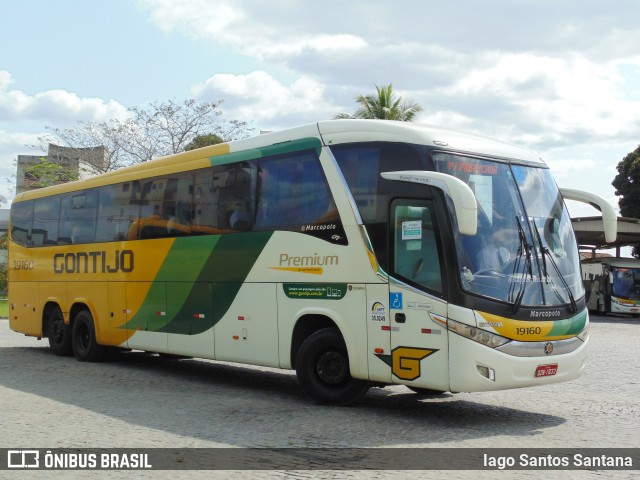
487,372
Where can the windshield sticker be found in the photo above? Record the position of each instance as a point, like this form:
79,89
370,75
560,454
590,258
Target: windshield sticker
412,230
414,245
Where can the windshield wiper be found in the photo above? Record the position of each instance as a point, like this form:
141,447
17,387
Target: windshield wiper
524,249
547,253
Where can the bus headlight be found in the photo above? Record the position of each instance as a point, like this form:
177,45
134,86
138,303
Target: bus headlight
488,339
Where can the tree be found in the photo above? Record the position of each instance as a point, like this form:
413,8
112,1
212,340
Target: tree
46,173
627,185
159,129
204,141
385,105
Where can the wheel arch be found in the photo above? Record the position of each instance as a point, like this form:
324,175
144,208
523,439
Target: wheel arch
77,307
49,307
305,326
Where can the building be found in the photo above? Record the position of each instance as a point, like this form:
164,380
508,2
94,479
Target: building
71,159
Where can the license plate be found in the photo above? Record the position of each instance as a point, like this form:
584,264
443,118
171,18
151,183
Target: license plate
546,370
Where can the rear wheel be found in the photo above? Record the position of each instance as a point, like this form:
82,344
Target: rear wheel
59,334
83,339
322,367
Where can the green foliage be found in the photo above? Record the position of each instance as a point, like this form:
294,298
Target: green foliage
384,105
627,185
46,173
204,141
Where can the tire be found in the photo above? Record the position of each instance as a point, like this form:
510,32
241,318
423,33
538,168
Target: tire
322,367
59,334
83,339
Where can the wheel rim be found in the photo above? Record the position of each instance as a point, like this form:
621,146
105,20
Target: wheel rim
84,338
332,368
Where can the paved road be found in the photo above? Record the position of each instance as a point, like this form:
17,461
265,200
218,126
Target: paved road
139,400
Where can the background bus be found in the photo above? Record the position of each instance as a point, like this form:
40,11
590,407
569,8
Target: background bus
354,252
612,285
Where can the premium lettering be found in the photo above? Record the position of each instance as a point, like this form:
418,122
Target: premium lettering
93,262
314,260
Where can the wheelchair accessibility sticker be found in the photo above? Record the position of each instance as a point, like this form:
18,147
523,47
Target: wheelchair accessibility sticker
395,300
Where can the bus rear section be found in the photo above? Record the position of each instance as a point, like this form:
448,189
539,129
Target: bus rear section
612,285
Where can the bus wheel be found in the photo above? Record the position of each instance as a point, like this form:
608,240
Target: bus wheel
83,339
59,334
322,367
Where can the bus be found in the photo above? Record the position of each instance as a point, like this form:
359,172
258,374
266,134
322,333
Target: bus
612,285
354,252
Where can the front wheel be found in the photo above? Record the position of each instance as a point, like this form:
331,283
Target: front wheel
83,339
322,367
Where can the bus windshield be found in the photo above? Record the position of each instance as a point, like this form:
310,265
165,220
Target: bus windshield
626,282
524,252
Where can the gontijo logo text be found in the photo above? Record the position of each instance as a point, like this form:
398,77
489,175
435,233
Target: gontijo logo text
93,262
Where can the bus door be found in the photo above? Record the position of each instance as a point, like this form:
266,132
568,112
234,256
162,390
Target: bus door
417,311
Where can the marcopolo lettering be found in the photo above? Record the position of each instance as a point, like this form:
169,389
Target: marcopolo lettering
93,262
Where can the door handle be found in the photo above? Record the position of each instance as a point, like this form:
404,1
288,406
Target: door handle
401,318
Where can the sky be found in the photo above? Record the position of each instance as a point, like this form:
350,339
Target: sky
559,78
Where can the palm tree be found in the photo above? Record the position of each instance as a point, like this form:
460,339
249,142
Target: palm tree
384,106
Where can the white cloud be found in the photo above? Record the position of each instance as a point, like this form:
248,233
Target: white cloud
58,105
260,96
232,24
562,97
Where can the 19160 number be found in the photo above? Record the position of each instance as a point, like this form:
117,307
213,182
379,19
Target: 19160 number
528,330
24,264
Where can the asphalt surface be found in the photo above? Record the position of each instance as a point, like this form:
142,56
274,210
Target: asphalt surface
139,400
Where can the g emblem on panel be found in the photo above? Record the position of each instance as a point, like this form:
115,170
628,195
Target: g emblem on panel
405,361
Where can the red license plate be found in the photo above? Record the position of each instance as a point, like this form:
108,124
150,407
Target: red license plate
546,370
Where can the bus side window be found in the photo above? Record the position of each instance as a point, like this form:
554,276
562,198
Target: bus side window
415,252
46,213
223,198
21,220
78,218
166,207
118,209
293,191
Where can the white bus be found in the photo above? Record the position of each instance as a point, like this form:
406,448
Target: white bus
612,285
355,252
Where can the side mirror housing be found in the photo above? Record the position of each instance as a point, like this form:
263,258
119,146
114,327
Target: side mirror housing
464,201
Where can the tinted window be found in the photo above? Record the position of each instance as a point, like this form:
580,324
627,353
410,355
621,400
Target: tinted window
21,218
78,217
361,165
166,206
223,200
415,252
46,215
292,192
118,212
